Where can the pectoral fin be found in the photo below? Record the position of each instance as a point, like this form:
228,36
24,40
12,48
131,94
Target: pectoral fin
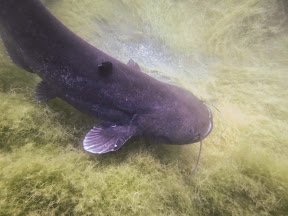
106,138
44,92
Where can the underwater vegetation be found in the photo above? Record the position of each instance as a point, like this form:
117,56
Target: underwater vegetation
233,54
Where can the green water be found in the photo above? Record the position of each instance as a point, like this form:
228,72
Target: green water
233,54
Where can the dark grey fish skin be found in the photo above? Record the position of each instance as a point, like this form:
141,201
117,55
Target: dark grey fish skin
126,100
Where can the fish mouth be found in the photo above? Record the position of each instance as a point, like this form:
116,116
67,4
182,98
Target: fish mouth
210,126
202,136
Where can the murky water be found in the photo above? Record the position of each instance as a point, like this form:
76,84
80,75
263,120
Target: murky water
232,54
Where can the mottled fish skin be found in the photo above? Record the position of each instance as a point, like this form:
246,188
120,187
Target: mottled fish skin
128,101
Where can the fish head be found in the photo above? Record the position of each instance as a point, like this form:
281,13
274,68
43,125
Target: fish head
196,125
187,119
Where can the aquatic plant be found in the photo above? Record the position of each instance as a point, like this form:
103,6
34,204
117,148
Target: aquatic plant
231,53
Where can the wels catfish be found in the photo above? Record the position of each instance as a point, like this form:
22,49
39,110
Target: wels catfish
128,102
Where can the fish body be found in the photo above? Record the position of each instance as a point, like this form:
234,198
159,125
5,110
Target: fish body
127,101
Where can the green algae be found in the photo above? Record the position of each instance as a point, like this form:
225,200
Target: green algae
243,169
